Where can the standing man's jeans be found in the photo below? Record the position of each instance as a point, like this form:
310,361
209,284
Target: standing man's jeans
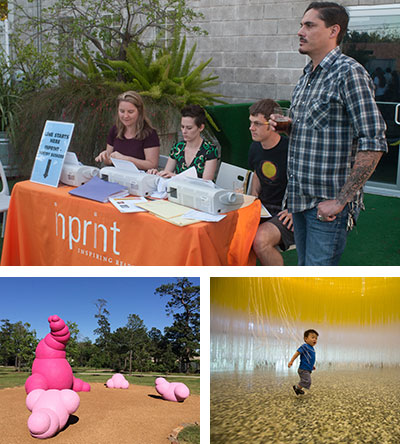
318,242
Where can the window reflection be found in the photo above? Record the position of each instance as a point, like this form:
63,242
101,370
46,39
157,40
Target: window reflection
373,40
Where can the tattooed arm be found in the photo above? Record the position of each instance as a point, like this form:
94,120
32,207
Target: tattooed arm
364,165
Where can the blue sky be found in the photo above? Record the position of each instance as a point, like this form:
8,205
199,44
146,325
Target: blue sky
33,300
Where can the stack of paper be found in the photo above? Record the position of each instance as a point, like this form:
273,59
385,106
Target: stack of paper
99,190
168,211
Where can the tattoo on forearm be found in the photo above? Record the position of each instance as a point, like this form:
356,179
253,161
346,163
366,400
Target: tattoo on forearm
364,166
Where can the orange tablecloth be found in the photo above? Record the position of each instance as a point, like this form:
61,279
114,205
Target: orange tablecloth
48,226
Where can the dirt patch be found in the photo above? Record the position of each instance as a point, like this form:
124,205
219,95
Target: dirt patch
137,415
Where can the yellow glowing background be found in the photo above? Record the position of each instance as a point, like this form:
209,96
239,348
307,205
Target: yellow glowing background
344,301
260,321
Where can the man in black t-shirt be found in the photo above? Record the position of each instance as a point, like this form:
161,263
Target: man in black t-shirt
268,159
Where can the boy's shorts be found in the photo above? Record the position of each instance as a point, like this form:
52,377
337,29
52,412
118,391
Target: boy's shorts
305,378
287,236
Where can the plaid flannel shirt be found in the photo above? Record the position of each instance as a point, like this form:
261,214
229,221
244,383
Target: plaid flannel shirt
334,115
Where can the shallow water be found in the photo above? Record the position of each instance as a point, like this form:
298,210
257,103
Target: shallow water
358,406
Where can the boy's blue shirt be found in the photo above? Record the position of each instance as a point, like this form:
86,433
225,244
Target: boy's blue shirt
307,357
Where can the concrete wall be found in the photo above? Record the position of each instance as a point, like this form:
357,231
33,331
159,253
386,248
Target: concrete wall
253,44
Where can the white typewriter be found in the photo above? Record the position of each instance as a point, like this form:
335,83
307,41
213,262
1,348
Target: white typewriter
203,195
74,173
127,174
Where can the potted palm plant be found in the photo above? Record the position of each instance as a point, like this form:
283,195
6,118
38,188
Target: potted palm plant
166,77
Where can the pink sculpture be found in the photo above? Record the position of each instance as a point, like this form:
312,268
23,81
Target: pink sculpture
50,411
118,381
172,391
50,369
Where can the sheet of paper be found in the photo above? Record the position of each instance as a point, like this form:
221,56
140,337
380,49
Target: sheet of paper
190,172
264,212
162,183
205,217
161,192
125,165
247,200
71,158
164,208
209,183
128,204
180,221
159,195
197,181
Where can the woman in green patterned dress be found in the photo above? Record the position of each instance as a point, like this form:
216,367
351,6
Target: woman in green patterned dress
193,151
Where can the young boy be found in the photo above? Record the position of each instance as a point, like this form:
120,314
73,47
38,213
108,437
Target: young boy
307,361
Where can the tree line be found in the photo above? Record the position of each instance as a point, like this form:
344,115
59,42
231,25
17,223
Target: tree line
130,348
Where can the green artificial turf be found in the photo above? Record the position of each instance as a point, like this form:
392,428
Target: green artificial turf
376,238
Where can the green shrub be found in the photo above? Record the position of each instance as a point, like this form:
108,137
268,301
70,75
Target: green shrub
169,75
9,97
91,107
166,74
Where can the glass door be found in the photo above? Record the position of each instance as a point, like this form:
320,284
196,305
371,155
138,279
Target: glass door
374,40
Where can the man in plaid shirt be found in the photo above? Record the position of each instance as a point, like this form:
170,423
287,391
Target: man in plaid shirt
337,137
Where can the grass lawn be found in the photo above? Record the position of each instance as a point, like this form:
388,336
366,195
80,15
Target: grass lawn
190,435
10,378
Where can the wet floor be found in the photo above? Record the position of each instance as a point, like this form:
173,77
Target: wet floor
357,407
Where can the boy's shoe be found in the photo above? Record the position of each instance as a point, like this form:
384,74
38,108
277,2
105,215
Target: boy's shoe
298,391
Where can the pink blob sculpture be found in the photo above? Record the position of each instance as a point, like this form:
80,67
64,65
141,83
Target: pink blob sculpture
118,381
50,411
172,391
50,369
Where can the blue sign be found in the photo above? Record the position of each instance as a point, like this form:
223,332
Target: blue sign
51,153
